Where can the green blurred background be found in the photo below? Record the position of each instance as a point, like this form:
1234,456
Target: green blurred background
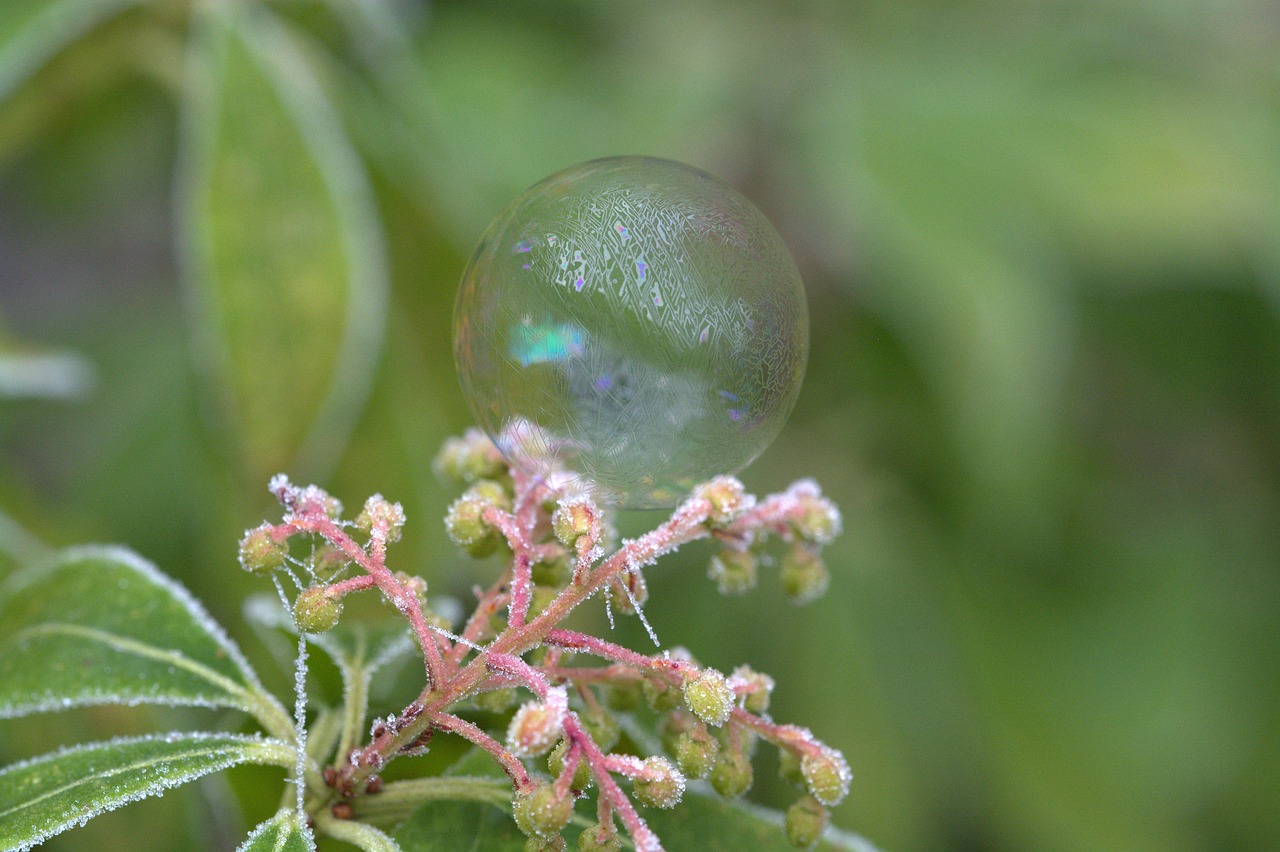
1041,242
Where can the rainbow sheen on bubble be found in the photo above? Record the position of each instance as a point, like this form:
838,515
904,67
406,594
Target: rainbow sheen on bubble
635,323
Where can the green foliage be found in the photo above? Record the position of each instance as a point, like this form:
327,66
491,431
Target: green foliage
282,833
101,625
47,795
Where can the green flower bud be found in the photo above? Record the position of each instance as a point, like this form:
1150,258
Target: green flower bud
709,697
732,774
466,459
581,773
660,695
377,512
761,686
600,838
545,844
541,812
696,751
260,552
659,784
805,822
827,775
804,576
575,518
734,571
467,527
491,492
789,766
727,497
624,696
537,725
317,610
817,520
328,562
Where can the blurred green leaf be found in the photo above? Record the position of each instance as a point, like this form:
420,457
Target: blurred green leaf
281,833
712,824
358,834
45,796
101,625
31,31
282,244
460,827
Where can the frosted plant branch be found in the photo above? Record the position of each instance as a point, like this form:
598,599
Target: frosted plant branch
558,558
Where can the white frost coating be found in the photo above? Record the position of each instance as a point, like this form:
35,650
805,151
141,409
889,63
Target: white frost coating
648,628
153,575
157,786
300,724
286,821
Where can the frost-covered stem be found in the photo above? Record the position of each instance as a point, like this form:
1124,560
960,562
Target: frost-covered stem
576,641
358,583
522,671
565,782
517,530
488,605
797,739
510,765
374,565
645,839
582,675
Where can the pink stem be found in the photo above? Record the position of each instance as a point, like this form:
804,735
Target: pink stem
513,767
645,839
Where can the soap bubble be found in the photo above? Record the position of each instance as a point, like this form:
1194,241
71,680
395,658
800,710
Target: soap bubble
635,321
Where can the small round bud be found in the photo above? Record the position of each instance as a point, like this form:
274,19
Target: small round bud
759,688
260,552
328,562
732,775
696,751
466,459
537,725
317,610
600,838
659,784
555,764
816,519
709,696
728,499
827,775
541,812
804,576
545,844
379,513
660,694
315,500
575,518
490,491
805,822
467,527
733,571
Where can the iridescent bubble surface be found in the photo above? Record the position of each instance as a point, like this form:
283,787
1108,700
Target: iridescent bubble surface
633,320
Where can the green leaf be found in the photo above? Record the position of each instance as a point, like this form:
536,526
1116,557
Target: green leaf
32,31
48,795
281,243
711,824
358,834
101,625
282,833
461,827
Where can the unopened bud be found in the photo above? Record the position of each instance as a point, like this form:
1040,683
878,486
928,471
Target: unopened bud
827,775
805,822
555,843
728,499
816,519
575,518
467,527
328,562
732,775
709,696
317,610
260,552
537,725
759,688
379,513
804,576
466,459
660,694
555,764
696,752
733,571
600,838
541,812
659,784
